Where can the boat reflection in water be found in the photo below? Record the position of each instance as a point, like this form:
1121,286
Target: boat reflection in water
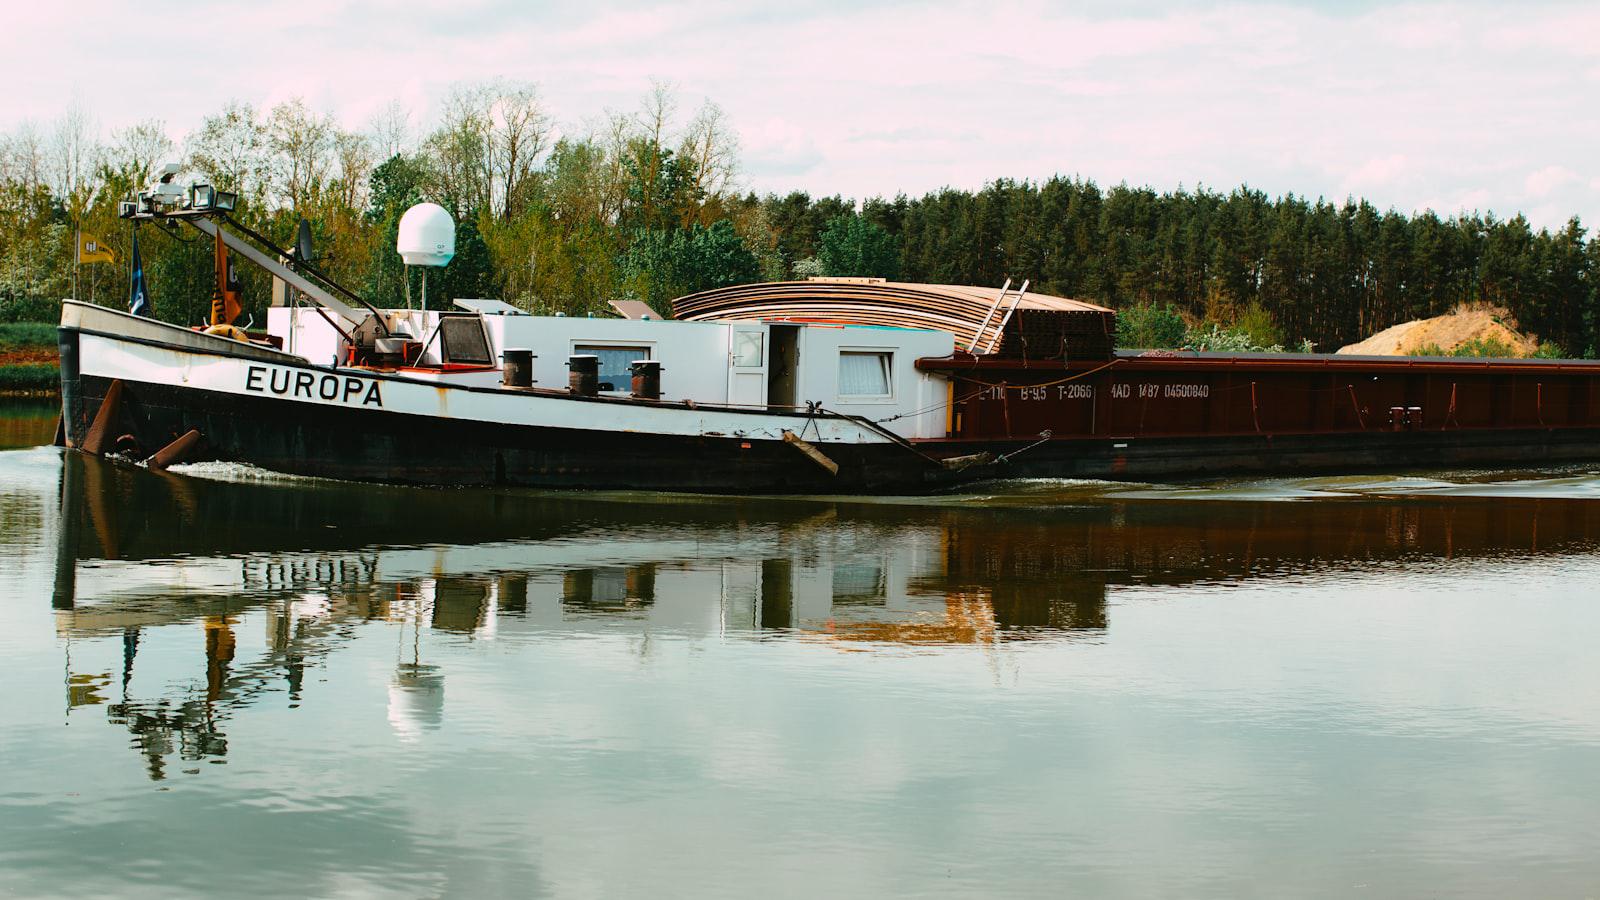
311,563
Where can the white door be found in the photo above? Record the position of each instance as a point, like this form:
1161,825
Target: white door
747,365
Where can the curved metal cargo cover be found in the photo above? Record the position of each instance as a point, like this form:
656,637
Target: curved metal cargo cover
977,316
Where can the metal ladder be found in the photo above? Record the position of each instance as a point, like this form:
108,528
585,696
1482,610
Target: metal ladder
999,329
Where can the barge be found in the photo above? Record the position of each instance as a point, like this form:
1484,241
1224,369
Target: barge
836,386
1046,390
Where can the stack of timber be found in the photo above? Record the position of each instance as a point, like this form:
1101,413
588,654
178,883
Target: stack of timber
986,320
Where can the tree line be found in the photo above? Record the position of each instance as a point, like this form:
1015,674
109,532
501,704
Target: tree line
647,205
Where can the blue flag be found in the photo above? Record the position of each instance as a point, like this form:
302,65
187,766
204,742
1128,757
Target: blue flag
138,299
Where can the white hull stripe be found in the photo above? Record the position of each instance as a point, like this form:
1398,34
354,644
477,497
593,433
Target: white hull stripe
108,357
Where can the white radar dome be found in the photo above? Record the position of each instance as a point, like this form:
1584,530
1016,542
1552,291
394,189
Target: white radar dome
427,236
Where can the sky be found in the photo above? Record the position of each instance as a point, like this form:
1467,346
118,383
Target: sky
1452,106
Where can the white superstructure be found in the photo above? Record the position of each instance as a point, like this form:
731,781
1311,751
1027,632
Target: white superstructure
857,370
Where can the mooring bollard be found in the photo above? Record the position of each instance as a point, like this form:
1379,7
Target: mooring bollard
583,377
646,379
517,370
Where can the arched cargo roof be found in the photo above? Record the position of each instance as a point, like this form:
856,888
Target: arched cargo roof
967,312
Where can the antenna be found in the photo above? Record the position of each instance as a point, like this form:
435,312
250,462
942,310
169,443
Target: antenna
427,237
302,242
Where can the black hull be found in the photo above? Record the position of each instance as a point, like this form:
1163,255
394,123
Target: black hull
374,445
365,445
1169,458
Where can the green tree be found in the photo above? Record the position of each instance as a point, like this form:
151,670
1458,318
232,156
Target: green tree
852,246
664,264
468,274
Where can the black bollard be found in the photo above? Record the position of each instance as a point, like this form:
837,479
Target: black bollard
646,379
518,368
583,377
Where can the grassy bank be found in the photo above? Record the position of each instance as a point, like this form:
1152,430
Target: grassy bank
30,379
24,335
28,361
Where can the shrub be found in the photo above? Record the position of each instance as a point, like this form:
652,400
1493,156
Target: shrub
28,309
1160,327
17,335
1217,339
1485,347
1257,325
1427,350
810,267
1150,327
35,377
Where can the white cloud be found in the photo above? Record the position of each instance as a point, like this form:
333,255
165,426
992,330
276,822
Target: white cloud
1546,180
1405,104
1379,172
779,147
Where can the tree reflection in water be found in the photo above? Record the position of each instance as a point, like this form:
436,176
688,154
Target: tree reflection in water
317,561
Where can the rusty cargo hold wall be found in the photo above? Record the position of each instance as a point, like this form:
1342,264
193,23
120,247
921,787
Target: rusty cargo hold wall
1194,394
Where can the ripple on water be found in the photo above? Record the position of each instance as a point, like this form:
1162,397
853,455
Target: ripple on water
1003,691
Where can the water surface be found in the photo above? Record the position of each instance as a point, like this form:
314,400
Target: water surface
225,682
27,422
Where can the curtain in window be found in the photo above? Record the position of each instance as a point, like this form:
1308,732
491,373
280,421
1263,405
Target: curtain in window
615,364
863,374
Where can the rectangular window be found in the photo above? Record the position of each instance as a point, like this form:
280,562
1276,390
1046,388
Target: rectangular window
463,340
616,371
864,374
747,349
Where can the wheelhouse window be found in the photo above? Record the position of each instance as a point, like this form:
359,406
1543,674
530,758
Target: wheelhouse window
865,374
463,340
616,373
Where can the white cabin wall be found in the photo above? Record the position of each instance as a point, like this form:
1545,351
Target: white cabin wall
913,390
693,355
305,334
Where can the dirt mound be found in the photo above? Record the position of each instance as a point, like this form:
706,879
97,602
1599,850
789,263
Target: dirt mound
1446,332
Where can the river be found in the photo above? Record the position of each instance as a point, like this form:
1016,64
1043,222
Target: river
225,682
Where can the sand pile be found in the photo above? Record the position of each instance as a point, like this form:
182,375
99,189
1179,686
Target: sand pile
1447,332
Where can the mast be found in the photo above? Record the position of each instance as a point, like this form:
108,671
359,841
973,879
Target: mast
312,290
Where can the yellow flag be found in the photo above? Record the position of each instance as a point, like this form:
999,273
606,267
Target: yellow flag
90,250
